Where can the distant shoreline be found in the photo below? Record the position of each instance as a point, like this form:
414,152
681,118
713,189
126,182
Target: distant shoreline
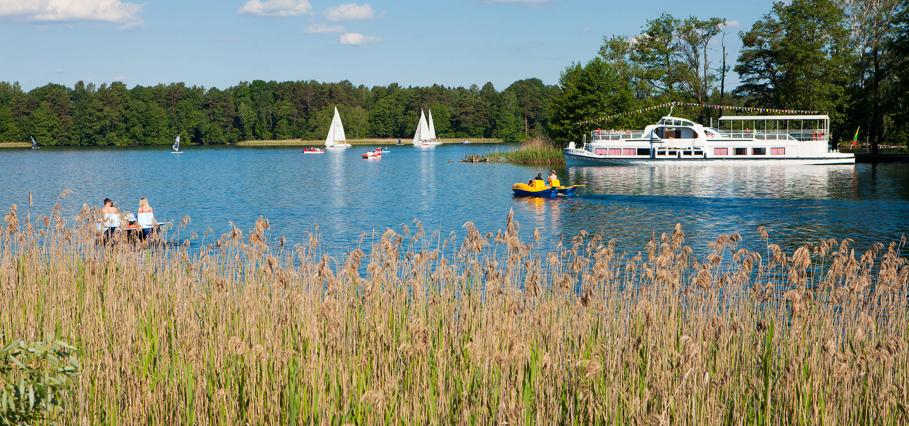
386,141
283,142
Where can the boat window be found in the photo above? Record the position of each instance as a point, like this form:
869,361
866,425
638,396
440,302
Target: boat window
698,152
759,151
601,151
615,151
777,151
628,151
741,151
720,151
644,151
671,133
686,153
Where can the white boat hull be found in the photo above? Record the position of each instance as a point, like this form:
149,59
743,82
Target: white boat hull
580,157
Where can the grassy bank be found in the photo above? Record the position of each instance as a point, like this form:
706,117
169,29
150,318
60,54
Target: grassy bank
15,145
391,141
532,152
476,329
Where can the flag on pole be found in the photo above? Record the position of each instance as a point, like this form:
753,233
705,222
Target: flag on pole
855,139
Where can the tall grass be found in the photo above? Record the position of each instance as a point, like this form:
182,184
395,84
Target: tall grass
534,152
413,328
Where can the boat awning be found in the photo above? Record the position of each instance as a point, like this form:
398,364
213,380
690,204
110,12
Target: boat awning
775,117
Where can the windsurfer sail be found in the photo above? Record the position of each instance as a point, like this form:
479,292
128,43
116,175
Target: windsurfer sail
176,146
34,144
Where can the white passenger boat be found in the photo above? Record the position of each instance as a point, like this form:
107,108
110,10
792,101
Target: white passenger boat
789,139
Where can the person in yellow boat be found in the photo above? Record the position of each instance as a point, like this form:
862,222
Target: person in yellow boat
538,182
553,179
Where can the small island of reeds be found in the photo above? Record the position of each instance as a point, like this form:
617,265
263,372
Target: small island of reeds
533,152
412,328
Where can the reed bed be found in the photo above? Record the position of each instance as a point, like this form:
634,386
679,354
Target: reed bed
533,152
413,328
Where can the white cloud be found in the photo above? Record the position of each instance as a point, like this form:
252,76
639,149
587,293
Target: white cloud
73,10
121,78
357,39
323,29
351,12
732,24
275,8
585,29
59,71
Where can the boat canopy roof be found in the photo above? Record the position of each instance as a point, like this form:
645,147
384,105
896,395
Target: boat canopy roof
775,117
675,121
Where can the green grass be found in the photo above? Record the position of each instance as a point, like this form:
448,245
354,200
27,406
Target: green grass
534,152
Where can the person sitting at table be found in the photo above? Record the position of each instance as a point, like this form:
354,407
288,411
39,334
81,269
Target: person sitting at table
146,217
111,220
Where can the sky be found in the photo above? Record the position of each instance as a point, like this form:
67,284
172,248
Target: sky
413,43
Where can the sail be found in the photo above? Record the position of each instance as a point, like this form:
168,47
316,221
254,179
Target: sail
336,131
422,132
177,144
35,144
432,128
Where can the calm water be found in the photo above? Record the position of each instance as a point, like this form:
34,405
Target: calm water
346,196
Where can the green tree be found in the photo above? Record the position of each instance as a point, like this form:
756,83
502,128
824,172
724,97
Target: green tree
356,121
504,120
284,113
588,92
871,25
44,125
442,120
897,100
798,57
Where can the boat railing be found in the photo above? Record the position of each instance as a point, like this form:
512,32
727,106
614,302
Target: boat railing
615,135
801,136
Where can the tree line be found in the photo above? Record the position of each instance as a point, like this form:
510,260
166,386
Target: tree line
89,115
849,59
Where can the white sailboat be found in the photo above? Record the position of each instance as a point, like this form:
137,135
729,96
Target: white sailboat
335,138
425,134
432,130
176,146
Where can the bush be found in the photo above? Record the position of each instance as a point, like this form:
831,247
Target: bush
35,379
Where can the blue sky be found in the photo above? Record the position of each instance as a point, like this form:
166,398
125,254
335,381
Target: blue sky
412,43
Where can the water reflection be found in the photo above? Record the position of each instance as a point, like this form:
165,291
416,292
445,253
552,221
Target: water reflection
752,181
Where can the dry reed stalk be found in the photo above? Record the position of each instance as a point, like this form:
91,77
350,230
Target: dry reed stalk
245,330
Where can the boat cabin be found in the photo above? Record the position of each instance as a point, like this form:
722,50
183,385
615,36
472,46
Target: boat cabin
801,128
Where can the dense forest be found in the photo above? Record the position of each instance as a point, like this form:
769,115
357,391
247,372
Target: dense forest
849,59
115,115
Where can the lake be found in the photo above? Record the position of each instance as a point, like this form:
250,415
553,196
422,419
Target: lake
346,196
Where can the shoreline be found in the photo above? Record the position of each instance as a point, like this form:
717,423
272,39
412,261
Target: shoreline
15,145
356,142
